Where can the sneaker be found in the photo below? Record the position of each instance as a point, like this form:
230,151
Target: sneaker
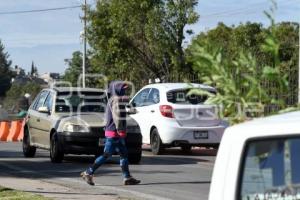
88,178
131,181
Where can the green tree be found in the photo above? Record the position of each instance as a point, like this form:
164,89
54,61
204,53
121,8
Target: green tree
139,39
246,80
19,90
232,40
5,71
288,37
34,70
74,69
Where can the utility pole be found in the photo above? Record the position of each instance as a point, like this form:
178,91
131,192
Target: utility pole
84,45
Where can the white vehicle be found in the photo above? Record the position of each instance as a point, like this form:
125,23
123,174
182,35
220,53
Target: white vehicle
169,117
259,160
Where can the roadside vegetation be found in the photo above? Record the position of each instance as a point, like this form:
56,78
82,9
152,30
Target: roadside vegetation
17,91
137,40
252,71
6,193
5,71
11,91
253,66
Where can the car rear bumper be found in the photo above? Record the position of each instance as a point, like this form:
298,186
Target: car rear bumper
86,143
176,135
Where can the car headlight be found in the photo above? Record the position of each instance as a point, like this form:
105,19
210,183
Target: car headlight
76,128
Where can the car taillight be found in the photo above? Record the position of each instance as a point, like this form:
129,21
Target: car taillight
166,111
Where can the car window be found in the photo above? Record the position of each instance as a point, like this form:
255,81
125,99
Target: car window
181,97
83,102
33,104
49,101
153,97
140,99
41,100
271,170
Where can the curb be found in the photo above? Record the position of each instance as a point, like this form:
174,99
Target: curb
49,190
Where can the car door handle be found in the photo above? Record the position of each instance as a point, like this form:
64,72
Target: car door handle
38,120
152,111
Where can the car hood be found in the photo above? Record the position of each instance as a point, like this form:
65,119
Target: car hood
88,119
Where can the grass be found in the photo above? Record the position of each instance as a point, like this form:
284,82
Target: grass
10,194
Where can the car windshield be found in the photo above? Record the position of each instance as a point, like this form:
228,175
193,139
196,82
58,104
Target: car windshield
271,170
181,96
80,102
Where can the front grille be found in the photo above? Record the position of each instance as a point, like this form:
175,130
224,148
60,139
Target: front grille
92,142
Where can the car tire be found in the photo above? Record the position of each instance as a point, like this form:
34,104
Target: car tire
135,158
156,143
56,153
28,150
186,149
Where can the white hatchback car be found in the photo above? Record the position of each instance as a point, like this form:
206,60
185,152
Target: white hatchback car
169,117
259,160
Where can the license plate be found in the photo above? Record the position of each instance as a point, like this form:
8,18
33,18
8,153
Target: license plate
101,141
201,134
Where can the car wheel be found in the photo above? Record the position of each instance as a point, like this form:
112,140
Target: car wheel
135,158
56,154
28,150
156,143
187,149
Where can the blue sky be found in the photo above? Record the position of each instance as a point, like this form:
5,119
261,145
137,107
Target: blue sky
50,37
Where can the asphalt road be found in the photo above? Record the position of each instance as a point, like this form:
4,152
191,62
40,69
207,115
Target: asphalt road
169,176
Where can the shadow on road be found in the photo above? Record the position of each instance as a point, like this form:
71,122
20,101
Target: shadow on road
177,183
178,151
13,164
10,154
171,160
73,165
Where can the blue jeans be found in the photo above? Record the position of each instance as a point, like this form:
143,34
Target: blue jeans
111,146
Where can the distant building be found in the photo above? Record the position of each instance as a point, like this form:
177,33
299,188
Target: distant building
18,71
20,77
25,79
45,80
50,77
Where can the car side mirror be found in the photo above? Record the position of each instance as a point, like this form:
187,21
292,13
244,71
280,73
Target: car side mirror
44,109
130,109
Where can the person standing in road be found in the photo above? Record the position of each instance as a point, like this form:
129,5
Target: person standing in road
115,133
23,106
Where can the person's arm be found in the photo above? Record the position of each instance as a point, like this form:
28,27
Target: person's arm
118,111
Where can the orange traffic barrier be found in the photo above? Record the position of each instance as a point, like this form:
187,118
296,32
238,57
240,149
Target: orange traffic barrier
21,135
4,130
14,131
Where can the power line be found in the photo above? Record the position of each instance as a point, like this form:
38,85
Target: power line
251,9
39,10
253,6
